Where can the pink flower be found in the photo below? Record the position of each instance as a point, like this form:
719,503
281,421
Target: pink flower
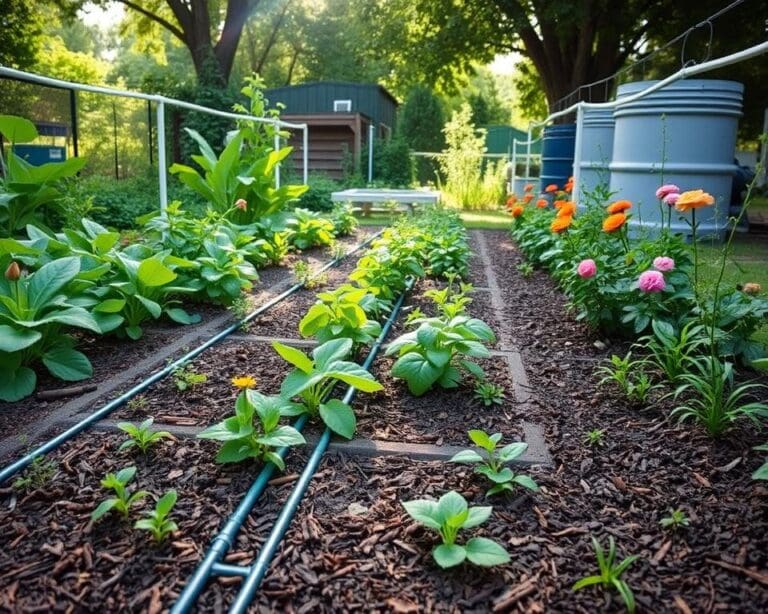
651,281
671,198
241,204
587,268
663,264
669,188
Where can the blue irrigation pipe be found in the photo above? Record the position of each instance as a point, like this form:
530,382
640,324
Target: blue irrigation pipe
10,470
211,565
259,568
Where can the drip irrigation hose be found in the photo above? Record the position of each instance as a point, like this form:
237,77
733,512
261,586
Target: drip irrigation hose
10,470
221,544
260,566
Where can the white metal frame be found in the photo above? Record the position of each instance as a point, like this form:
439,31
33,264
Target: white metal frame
684,72
161,101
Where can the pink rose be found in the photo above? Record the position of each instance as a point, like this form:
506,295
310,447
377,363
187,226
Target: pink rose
651,281
669,188
587,268
671,198
663,264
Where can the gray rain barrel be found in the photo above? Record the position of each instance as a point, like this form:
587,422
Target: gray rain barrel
521,182
691,125
557,147
596,149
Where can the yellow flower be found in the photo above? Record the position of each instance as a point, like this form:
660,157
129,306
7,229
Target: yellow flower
693,199
244,381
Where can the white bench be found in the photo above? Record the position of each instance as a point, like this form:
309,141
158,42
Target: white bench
405,199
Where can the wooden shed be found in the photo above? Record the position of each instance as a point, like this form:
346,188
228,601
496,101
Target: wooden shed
339,116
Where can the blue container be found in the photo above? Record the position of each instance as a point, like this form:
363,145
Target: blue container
37,155
684,134
558,145
596,150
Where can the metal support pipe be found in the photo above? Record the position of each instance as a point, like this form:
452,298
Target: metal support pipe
305,152
52,444
150,140
73,119
370,153
514,166
577,152
162,170
277,148
528,153
261,564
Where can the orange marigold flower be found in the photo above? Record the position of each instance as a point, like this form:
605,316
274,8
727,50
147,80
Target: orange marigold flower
542,203
527,198
517,210
614,222
693,199
559,224
511,200
619,206
567,209
552,187
528,187
559,203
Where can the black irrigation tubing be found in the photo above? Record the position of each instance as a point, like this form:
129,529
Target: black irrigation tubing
221,544
10,470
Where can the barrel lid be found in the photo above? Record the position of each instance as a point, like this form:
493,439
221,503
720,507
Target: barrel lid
683,85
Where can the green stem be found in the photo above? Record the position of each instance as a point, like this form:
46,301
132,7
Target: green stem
695,261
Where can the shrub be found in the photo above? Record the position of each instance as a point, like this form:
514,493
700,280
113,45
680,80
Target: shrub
393,165
318,195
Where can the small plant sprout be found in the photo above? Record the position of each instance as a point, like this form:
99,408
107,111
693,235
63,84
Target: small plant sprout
491,463
595,437
141,436
448,516
308,278
185,378
124,499
489,393
37,475
414,314
137,403
630,376
762,471
610,573
525,269
157,521
241,307
675,520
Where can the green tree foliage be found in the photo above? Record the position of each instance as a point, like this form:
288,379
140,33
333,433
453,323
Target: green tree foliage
20,29
420,124
393,164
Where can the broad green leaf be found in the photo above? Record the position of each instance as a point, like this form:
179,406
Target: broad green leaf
761,473
15,384
417,371
103,507
354,375
339,417
467,456
505,474
315,318
449,555
111,305
166,503
512,451
486,552
283,436
450,505
153,273
297,381
154,309
177,314
68,364
49,279
424,512
330,351
234,452
17,129
480,438
294,356
275,459
13,339
105,242
477,516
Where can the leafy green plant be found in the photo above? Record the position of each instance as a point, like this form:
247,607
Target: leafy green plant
525,269
436,352
123,499
157,521
141,436
25,188
675,520
595,437
305,276
672,351
629,375
185,377
276,247
339,314
451,302
137,403
37,475
343,219
415,314
711,398
610,573
489,393
243,437
309,229
448,516
762,472
34,310
492,462
313,380
384,271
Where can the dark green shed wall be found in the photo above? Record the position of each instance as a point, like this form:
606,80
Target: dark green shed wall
499,140
369,99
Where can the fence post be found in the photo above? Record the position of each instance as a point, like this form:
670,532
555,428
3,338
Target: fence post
528,153
277,148
577,152
305,152
161,164
370,153
73,118
514,167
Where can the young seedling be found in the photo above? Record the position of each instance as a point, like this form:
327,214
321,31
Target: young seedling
415,314
448,516
141,436
675,520
243,437
314,379
137,403
185,378
491,463
37,475
124,499
762,472
595,438
610,573
307,278
157,521
489,393
525,269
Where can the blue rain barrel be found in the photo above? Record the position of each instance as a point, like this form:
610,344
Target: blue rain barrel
520,182
558,144
596,150
691,125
